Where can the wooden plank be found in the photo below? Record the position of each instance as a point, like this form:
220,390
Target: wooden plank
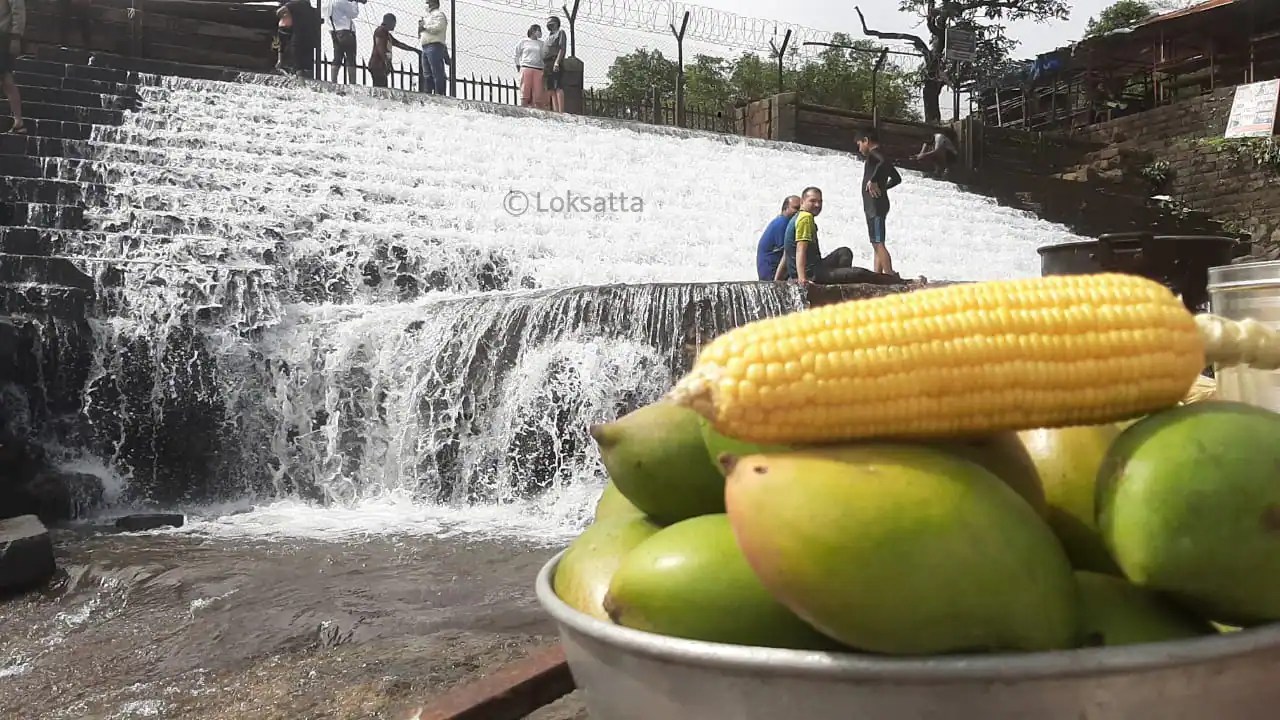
511,693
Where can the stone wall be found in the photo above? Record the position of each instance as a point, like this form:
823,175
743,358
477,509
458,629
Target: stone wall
784,118
1204,175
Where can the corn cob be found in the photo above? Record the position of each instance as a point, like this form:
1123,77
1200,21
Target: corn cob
964,360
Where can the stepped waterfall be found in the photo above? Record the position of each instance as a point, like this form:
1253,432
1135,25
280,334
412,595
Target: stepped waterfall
408,313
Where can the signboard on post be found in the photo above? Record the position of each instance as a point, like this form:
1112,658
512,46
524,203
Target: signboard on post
1253,112
962,44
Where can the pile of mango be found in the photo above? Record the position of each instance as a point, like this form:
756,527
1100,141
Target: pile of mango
1162,528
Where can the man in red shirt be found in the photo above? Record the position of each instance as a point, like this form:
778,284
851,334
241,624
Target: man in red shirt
380,61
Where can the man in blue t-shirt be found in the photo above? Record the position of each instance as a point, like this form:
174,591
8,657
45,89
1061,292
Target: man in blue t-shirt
769,250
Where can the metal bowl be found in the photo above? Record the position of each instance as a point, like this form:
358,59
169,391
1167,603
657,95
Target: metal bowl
627,674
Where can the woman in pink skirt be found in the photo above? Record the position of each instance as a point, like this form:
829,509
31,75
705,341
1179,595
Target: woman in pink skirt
529,65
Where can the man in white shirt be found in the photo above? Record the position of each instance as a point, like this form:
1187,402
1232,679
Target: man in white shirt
432,31
342,21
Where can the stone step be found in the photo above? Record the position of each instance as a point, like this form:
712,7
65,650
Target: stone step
71,113
24,241
77,98
19,269
50,192
120,63
58,129
58,82
54,300
59,217
85,72
27,145
51,168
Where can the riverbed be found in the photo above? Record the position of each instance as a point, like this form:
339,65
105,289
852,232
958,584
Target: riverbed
184,625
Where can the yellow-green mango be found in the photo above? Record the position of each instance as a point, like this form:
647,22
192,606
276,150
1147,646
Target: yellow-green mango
613,503
1006,457
1116,612
657,459
903,550
587,566
1189,505
691,581
1067,461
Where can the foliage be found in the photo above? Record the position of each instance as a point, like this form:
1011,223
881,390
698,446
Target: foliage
1122,14
834,77
1157,173
1262,153
987,18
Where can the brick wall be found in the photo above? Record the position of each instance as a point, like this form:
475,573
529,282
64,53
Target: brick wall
1203,178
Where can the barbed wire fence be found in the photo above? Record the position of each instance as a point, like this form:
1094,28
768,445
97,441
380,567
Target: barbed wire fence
484,34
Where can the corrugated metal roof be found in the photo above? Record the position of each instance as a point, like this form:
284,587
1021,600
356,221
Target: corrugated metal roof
1207,5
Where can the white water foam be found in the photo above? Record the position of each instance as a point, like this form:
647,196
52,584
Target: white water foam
359,271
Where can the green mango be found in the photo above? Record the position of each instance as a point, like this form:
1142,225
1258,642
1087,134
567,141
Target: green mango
587,566
903,550
1115,612
658,461
1189,504
1005,456
691,581
613,503
719,445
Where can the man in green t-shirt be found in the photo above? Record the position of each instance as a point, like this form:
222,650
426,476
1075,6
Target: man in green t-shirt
802,258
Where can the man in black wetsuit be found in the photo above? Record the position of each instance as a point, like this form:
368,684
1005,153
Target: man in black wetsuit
878,176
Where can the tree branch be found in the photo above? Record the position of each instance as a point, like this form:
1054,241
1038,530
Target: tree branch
919,44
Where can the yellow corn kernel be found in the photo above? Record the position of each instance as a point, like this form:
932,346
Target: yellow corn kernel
952,361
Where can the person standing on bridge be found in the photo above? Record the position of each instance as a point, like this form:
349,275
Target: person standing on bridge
13,23
878,176
529,65
774,240
432,32
383,40
342,21
553,60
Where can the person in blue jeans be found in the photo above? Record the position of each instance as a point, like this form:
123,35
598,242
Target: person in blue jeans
432,32
770,248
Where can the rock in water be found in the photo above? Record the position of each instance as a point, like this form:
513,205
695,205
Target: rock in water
583,575
150,521
657,459
1115,612
1004,455
613,504
903,550
26,554
691,581
1189,504
1067,460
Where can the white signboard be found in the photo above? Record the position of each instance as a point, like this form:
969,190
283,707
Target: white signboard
961,44
1253,113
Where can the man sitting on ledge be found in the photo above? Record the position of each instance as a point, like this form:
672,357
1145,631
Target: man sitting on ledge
803,261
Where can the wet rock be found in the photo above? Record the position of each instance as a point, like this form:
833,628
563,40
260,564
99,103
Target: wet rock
150,521
26,554
60,495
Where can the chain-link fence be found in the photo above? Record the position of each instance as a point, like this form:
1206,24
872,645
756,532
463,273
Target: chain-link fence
483,35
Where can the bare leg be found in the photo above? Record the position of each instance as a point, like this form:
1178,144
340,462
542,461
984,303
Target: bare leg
884,263
15,100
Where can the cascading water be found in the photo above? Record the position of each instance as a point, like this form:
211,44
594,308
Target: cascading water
366,303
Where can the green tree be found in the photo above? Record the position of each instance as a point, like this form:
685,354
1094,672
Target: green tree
836,77
1123,14
986,17
632,77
